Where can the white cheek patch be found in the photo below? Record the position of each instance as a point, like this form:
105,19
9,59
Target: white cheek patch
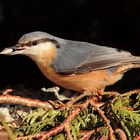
40,48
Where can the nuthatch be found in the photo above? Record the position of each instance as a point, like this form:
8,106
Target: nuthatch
74,65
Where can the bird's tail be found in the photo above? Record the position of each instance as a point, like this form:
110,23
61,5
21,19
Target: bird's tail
134,62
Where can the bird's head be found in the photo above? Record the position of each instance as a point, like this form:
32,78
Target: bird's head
33,44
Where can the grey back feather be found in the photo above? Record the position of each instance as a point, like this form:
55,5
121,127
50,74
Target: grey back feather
80,57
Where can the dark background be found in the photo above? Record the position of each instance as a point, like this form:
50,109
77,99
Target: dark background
112,23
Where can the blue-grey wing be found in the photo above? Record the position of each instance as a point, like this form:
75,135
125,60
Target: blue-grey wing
81,57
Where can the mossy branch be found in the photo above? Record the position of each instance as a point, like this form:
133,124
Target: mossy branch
91,118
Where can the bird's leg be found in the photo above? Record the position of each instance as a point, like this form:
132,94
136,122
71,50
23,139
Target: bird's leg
55,90
98,93
75,99
110,93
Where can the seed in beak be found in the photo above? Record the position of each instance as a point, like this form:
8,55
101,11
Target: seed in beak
7,51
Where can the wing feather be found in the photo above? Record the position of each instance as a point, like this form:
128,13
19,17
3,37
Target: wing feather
80,57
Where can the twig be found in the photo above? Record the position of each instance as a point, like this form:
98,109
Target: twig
121,134
67,130
74,100
87,134
30,136
137,137
111,131
111,93
10,99
7,128
103,137
59,128
131,92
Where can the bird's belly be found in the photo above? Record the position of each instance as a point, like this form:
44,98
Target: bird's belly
91,81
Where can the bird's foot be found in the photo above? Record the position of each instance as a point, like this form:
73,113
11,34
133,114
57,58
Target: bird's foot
7,91
77,98
110,93
55,91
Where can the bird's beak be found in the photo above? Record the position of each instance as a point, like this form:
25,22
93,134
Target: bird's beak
12,50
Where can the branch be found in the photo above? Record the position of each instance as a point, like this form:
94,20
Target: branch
10,99
121,134
86,134
30,136
111,131
137,137
131,92
63,126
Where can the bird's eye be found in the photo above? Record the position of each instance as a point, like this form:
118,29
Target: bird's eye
34,43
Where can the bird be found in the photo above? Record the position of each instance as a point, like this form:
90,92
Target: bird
75,65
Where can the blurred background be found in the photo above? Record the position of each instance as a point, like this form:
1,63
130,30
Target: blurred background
111,23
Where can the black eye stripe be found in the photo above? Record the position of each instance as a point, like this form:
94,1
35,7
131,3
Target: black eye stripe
35,42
